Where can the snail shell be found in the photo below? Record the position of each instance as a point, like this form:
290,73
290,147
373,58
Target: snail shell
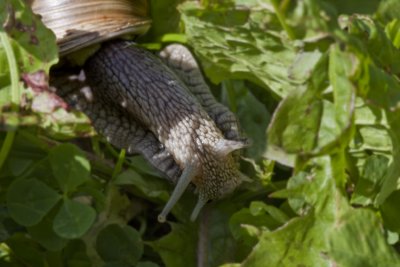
81,23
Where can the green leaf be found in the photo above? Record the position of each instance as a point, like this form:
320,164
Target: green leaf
75,254
140,164
306,124
299,243
174,38
239,43
304,65
296,122
369,184
152,188
27,251
357,241
70,167
380,48
27,46
290,244
146,264
252,114
44,234
392,30
390,212
393,173
116,264
388,10
219,242
246,226
231,265
330,233
355,6
258,207
342,68
8,226
178,248
120,244
73,219
165,19
217,245
30,200
37,47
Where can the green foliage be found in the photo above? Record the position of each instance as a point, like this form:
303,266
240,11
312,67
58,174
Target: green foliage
29,201
73,219
177,248
315,85
127,248
70,167
239,44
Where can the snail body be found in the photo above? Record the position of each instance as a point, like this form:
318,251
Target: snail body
162,108
138,82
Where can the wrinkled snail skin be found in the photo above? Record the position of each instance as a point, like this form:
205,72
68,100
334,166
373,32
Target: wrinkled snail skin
181,61
120,130
167,114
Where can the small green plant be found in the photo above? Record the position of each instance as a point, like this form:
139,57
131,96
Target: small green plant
316,87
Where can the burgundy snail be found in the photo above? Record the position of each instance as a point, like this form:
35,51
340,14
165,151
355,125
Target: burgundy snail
159,106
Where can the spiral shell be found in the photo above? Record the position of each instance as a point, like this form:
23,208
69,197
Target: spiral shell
78,24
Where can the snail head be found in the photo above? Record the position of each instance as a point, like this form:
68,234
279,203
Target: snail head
215,176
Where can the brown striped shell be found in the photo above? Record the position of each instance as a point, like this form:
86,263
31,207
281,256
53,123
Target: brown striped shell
81,23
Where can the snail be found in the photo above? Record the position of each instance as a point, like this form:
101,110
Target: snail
159,106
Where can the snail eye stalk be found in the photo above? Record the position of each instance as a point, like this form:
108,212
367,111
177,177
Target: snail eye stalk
200,204
183,182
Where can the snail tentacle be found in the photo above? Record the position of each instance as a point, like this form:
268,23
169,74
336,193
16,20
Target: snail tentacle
187,175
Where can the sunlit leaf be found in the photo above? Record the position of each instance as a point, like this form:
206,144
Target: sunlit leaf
240,43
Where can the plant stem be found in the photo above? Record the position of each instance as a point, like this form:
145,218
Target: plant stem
203,238
118,166
14,77
281,18
6,147
12,64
